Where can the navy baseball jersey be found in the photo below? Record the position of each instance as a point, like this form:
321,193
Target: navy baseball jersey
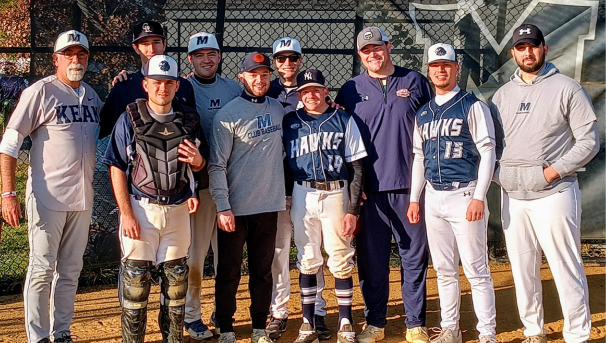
448,146
318,147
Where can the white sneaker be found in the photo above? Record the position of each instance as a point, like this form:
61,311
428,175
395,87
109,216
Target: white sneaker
260,336
535,339
346,335
488,339
370,334
446,335
227,337
417,335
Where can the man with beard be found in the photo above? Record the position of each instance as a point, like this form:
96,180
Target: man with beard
549,131
247,184
385,99
149,40
288,58
212,93
454,159
60,113
152,153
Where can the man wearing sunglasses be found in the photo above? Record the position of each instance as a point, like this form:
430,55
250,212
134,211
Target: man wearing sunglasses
288,58
60,113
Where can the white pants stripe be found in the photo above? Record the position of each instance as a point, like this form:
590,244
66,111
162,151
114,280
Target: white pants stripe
57,241
452,238
549,225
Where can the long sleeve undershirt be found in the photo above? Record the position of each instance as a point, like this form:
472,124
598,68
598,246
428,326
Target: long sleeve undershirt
482,132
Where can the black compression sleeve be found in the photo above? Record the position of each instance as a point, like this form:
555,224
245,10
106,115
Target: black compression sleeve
355,187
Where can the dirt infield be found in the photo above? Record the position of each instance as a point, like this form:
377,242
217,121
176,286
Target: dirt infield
97,317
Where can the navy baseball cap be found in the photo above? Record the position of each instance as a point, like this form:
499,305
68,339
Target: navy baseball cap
309,78
254,60
148,29
527,33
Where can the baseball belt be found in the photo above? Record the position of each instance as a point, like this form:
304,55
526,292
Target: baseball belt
451,186
324,186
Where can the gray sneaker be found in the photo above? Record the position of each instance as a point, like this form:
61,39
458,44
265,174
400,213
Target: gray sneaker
260,336
446,335
371,334
227,337
488,339
535,339
307,334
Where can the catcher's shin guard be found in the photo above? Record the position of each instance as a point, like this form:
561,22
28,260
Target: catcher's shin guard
174,289
136,283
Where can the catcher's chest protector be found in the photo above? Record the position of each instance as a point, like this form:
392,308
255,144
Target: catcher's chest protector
155,168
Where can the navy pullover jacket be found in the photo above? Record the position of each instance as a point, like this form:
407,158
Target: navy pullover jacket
386,122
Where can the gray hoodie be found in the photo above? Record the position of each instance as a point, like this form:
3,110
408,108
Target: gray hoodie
547,122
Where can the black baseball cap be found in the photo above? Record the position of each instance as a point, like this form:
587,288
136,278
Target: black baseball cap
527,33
309,78
254,60
148,29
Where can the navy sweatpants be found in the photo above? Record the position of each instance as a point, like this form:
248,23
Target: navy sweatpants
384,215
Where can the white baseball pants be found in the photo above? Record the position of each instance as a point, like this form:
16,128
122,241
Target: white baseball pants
452,238
165,232
203,235
280,269
551,225
318,217
57,241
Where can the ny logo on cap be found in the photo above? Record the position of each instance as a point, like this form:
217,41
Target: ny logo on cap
440,51
164,66
202,40
527,31
368,35
308,75
146,28
73,37
285,43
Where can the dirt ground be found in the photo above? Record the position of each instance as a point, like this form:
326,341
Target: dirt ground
97,317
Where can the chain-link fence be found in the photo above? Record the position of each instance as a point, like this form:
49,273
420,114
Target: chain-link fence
479,30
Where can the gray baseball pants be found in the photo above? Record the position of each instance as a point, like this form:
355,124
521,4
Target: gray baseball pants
57,240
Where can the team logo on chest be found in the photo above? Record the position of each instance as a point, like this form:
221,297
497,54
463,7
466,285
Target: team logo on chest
214,104
524,108
165,132
404,93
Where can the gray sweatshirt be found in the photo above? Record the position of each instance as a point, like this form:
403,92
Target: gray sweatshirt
210,98
245,164
547,122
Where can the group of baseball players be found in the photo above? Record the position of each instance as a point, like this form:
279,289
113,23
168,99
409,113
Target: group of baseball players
393,156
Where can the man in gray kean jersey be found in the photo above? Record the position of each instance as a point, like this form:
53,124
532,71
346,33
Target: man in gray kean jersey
549,131
212,93
59,113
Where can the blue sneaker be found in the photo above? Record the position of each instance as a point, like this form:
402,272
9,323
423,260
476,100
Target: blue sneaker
198,331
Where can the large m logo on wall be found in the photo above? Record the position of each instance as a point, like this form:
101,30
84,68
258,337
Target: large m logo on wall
482,30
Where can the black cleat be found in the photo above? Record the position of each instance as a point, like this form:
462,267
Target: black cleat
321,328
